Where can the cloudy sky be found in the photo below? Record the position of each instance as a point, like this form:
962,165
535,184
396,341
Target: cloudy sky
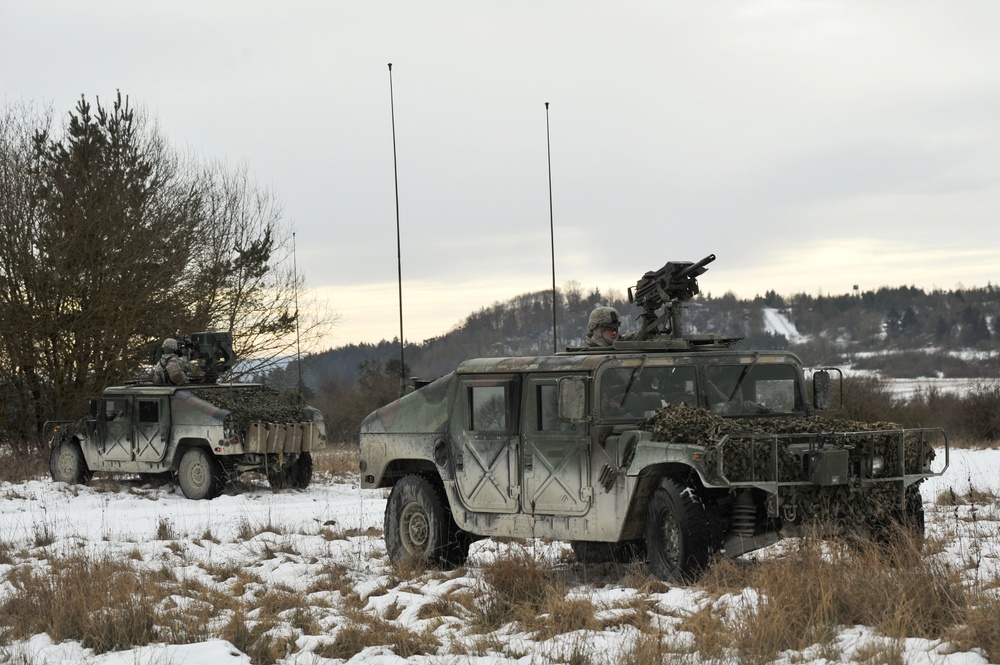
810,145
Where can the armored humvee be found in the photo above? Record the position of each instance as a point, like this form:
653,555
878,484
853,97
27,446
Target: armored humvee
201,433
671,446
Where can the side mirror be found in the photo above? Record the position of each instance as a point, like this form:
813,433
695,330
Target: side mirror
572,399
822,399
92,410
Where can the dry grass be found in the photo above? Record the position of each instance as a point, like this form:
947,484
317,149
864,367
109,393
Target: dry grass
105,605
360,631
337,462
804,598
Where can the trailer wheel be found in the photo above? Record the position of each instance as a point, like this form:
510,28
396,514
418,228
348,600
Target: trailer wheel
67,465
197,474
302,472
678,536
417,526
296,475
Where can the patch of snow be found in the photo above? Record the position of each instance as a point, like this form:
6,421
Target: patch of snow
777,323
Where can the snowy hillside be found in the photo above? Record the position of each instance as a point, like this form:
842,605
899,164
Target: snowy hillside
777,323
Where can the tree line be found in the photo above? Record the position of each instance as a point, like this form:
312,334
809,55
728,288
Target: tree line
114,241
901,332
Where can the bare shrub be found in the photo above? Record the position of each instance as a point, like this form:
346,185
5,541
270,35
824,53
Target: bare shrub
22,462
868,398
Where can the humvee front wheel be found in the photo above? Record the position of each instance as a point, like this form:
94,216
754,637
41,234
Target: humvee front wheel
416,523
196,474
66,463
678,537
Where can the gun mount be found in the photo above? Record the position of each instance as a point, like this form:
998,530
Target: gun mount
668,288
210,353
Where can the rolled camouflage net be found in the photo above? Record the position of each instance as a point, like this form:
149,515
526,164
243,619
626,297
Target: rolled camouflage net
253,404
749,456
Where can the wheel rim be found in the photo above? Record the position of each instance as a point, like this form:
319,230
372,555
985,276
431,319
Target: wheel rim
66,464
670,540
197,474
414,528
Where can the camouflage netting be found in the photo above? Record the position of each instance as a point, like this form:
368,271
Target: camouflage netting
748,455
253,404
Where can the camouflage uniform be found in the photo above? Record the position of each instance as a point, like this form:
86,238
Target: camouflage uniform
171,368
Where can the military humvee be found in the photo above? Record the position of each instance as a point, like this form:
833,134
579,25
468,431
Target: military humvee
571,446
202,433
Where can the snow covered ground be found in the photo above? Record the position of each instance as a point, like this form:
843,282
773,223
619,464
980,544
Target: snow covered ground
290,538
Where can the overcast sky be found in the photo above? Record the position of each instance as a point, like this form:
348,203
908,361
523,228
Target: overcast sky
810,145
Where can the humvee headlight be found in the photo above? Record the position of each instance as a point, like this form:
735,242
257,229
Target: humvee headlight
876,465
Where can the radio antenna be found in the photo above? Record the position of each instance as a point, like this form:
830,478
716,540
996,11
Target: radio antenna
399,253
298,337
552,232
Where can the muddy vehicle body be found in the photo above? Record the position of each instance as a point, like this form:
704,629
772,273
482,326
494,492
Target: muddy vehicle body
573,447
199,433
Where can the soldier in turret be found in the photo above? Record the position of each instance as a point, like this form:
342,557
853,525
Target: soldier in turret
171,367
602,328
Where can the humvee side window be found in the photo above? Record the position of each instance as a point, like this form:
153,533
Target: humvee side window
488,409
114,409
149,411
547,409
647,390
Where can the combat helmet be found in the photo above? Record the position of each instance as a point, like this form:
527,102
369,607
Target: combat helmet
170,345
603,317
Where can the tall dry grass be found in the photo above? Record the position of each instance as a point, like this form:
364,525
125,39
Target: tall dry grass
806,597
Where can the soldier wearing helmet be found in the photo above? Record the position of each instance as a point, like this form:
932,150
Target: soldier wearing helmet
602,328
171,367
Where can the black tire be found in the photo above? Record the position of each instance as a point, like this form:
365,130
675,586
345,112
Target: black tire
913,516
67,465
302,472
417,526
678,534
296,475
198,474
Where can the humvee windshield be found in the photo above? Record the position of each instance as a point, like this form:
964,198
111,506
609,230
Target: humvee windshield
747,389
727,389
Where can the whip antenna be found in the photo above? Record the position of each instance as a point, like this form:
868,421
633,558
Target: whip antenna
298,337
552,232
399,253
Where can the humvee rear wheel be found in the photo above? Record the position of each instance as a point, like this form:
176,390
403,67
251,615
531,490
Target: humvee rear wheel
416,523
196,474
678,538
66,464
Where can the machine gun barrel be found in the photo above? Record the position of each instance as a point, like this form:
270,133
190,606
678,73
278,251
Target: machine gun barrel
695,268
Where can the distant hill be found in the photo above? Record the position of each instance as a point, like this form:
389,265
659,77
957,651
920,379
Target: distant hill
903,332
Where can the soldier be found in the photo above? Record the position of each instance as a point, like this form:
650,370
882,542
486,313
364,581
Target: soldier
171,368
602,329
